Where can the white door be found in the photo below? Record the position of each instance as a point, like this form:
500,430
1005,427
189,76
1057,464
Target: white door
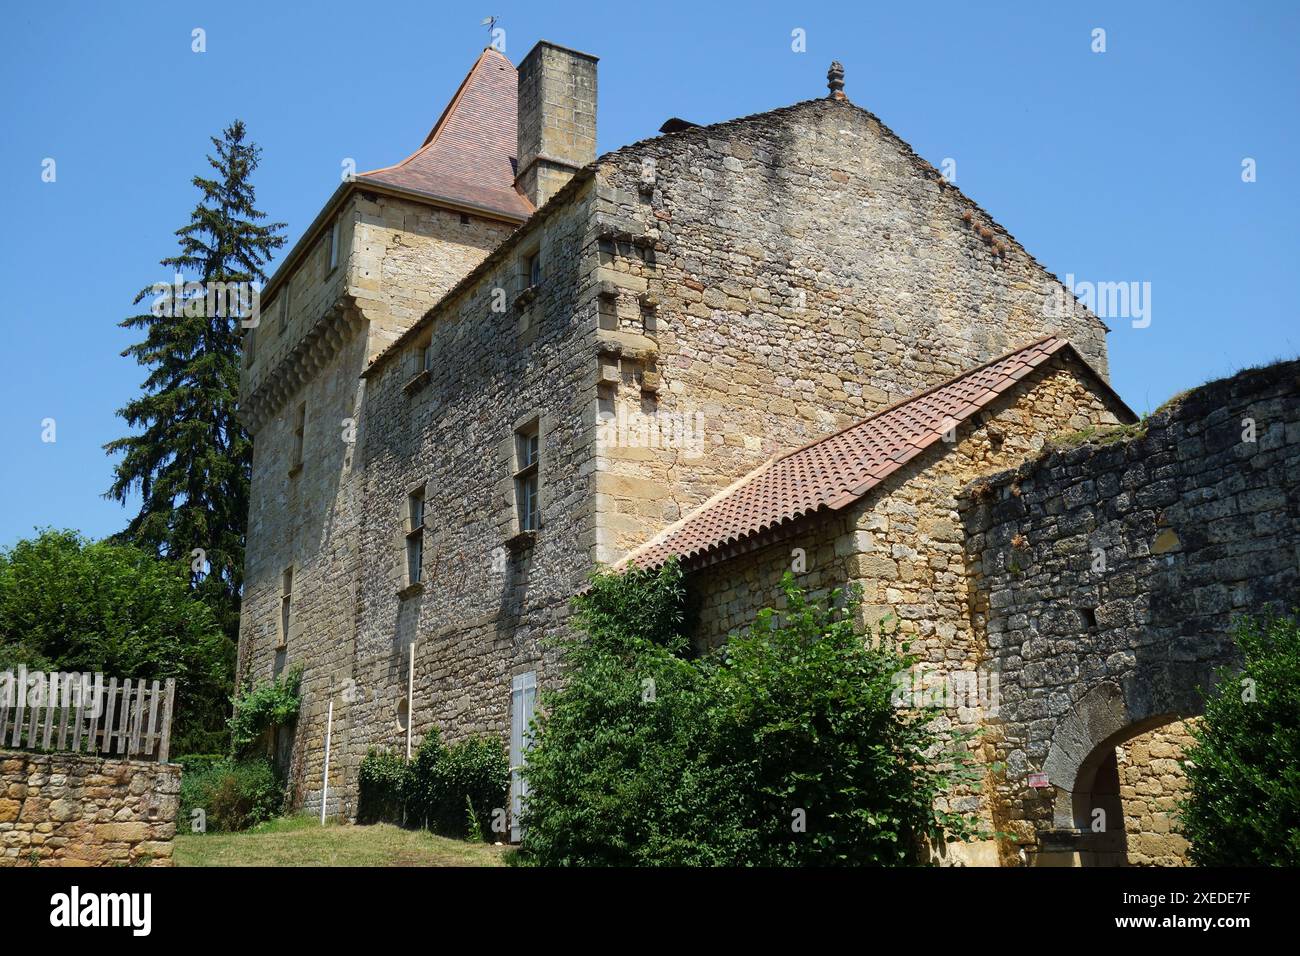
523,701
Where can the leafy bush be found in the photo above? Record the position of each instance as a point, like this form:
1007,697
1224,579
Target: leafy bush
197,763
472,779
451,790
70,604
783,748
1243,805
233,794
271,704
380,784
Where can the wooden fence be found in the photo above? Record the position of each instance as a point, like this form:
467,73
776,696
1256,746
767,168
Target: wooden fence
82,714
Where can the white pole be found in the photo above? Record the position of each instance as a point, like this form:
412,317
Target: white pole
325,783
410,701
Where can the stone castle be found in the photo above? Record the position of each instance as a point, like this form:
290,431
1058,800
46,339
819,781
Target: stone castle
779,342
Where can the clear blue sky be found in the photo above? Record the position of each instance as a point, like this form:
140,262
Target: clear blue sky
1115,166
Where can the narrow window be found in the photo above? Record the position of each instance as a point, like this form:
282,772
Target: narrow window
534,269
286,605
414,536
285,299
527,455
464,219
523,703
333,241
299,430
250,344
426,355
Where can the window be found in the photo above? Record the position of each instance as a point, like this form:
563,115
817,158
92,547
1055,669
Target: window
414,536
299,430
527,455
332,252
426,356
523,704
533,269
282,325
250,343
286,605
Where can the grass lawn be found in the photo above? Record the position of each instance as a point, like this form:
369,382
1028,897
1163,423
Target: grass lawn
302,841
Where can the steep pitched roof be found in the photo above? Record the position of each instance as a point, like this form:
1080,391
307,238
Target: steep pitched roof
468,158
839,469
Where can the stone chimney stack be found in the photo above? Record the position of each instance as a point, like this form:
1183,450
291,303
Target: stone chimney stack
557,119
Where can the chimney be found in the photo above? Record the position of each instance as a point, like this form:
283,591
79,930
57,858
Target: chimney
557,119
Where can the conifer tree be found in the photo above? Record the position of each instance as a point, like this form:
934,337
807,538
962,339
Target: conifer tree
189,457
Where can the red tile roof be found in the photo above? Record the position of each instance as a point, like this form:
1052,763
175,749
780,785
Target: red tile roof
469,156
839,469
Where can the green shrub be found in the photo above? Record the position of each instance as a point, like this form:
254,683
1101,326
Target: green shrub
473,778
197,763
1243,771
381,783
784,748
442,780
451,790
233,794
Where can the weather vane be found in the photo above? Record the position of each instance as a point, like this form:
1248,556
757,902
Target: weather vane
490,23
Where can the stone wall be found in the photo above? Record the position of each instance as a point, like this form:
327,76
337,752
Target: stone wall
504,354
62,809
1107,577
803,269
396,259
1151,782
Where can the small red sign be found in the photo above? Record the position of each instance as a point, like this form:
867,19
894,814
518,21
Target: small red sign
1038,780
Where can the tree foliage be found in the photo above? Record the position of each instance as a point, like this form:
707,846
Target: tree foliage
68,604
188,456
781,748
1243,771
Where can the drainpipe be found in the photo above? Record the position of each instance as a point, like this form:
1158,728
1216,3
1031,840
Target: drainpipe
325,782
410,701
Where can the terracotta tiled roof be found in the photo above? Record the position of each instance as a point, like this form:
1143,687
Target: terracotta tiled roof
469,156
837,470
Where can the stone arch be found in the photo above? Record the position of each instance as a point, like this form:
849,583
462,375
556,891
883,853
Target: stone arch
1080,763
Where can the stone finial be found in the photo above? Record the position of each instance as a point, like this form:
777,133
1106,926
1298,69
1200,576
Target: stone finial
835,80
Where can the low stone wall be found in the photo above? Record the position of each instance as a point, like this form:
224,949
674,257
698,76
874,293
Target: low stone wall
1107,579
62,809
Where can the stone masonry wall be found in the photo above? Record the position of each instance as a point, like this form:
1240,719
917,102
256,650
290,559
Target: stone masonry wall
62,809
800,270
397,259
489,596
1106,579
1151,782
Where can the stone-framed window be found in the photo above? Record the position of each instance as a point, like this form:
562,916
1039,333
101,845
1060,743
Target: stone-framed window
299,438
522,495
286,622
414,539
332,247
250,343
528,457
282,310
